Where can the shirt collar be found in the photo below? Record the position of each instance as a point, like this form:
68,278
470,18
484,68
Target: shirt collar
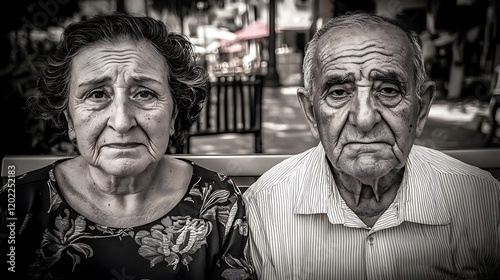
419,198
421,195
317,190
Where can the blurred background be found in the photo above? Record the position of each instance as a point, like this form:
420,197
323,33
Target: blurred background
253,50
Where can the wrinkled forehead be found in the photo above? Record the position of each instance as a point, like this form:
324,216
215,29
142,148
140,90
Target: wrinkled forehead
118,50
384,42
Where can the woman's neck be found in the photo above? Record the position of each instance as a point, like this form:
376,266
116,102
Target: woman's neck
105,184
124,202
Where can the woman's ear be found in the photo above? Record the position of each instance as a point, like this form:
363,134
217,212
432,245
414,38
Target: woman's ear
306,103
71,127
172,121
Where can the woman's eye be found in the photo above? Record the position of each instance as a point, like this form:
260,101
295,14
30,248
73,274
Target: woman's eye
145,94
97,94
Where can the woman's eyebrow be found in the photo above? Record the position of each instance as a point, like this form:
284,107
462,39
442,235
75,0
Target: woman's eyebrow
94,81
137,79
142,79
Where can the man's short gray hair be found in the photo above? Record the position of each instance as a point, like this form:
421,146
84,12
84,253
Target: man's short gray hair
361,19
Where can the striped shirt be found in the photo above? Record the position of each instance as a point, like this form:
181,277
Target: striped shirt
443,224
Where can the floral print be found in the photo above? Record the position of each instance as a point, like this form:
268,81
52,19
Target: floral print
65,234
174,241
203,237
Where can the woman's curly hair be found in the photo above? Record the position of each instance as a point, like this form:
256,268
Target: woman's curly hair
189,83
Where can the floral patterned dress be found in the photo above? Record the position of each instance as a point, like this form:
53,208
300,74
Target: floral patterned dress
203,237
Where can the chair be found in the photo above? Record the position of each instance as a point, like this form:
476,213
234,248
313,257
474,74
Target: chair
234,105
493,108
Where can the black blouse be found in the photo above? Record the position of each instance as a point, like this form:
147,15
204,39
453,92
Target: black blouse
203,237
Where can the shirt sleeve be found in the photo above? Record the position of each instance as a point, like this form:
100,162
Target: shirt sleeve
258,242
496,257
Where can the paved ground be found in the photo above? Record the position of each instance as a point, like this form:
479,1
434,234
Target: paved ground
450,125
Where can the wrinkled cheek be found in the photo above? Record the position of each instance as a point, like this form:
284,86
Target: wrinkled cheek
331,129
402,122
161,136
331,123
88,130
408,119
329,135
408,122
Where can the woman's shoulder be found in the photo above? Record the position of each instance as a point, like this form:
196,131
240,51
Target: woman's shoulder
214,178
31,180
28,190
31,177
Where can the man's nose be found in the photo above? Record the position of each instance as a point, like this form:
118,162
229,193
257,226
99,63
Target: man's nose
363,111
122,116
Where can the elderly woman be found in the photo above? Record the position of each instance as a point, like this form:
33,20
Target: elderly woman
124,88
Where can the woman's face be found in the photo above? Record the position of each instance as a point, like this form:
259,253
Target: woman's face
120,108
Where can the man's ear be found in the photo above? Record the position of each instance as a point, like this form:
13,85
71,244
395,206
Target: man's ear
306,104
71,127
428,93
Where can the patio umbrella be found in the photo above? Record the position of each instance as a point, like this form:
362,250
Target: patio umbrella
211,33
200,50
256,30
237,47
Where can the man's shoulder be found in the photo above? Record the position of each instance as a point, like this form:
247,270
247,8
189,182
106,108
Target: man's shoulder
281,173
442,162
451,171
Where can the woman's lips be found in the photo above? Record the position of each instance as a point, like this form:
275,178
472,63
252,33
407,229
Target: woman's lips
122,145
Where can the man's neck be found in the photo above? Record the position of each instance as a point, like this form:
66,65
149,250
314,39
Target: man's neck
368,198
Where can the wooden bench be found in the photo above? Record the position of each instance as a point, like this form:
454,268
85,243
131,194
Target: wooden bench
245,169
234,105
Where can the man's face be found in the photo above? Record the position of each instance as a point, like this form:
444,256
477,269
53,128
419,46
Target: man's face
364,107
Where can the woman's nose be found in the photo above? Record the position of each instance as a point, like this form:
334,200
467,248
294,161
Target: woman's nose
122,116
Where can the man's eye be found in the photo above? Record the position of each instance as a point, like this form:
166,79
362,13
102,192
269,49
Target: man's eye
337,97
337,93
389,91
389,96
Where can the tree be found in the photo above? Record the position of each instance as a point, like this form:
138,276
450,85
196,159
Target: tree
184,8
17,68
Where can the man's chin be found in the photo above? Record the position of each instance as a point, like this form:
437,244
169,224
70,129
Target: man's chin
367,169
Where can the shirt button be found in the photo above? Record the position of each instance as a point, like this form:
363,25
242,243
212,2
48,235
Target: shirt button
370,240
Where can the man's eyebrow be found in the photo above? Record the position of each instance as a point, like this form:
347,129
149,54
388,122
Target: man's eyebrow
336,79
390,77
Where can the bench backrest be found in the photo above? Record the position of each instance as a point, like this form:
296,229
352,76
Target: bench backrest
245,169
234,105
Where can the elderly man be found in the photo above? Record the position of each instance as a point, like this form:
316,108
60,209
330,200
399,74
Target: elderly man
367,203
